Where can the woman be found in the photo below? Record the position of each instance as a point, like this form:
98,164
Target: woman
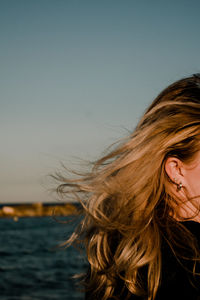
141,205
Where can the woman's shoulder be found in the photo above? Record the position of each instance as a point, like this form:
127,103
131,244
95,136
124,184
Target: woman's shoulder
177,280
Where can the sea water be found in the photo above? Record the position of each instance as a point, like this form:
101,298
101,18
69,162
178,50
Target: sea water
33,266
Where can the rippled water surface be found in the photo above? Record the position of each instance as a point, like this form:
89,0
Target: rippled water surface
32,267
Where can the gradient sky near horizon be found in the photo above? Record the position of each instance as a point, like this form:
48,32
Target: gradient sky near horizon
76,74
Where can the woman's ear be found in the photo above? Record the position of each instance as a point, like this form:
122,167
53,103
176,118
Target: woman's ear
173,168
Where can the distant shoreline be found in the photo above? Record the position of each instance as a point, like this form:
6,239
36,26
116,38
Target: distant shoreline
38,209
36,202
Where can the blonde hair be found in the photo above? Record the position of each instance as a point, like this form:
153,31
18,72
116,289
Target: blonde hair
127,202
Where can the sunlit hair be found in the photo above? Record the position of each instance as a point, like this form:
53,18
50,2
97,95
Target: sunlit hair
128,204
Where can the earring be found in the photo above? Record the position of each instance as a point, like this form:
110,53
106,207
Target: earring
179,186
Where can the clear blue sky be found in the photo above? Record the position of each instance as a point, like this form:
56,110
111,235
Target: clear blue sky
74,73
